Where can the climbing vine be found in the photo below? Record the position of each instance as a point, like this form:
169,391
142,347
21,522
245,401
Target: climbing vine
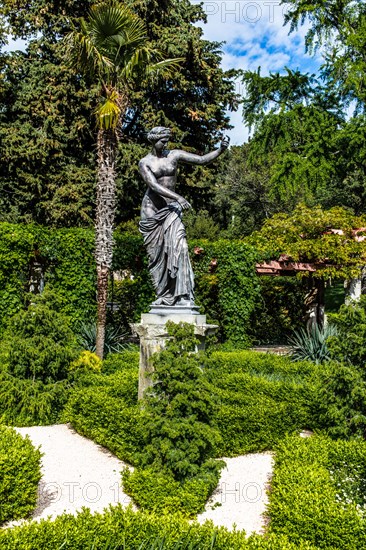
32,256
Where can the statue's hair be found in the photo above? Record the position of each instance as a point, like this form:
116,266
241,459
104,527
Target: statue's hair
157,133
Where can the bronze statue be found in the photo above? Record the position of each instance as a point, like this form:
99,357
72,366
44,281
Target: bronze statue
161,219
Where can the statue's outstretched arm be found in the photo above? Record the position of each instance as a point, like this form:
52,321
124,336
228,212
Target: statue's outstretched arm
190,158
152,182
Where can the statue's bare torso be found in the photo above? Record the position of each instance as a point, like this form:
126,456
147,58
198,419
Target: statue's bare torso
164,170
161,222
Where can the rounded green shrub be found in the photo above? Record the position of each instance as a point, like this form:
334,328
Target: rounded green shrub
158,491
262,398
19,475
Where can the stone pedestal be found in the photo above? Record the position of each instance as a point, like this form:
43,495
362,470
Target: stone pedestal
153,335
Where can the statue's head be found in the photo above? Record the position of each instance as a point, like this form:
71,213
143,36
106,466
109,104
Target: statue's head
159,134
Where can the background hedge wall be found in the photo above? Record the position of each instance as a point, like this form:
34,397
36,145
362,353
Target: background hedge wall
226,284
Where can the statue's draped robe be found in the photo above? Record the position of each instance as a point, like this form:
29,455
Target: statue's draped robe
169,263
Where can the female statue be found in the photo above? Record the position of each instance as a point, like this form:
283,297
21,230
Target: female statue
161,219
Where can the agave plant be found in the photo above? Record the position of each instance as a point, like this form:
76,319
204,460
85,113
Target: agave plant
115,338
310,344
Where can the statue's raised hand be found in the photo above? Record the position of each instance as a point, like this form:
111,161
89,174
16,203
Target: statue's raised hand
225,142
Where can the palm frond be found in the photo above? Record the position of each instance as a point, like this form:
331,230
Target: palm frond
108,113
116,30
113,47
81,52
164,67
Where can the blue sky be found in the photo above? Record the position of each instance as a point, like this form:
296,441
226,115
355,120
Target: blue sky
254,36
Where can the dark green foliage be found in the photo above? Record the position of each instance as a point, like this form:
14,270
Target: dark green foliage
65,258
37,349
349,346
334,296
316,492
179,432
31,402
47,173
340,401
176,470
303,145
311,344
17,250
71,272
226,286
242,193
278,309
299,148
19,475
123,529
40,343
262,397
200,225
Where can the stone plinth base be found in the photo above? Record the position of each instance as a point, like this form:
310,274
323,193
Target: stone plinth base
153,336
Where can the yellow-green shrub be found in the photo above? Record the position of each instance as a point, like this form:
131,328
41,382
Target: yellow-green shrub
87,361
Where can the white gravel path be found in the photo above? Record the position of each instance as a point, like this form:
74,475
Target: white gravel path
241,498
76,472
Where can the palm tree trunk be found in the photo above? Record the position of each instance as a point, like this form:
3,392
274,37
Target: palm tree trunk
106,184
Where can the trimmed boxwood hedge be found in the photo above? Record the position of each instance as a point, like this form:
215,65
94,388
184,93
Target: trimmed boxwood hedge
318,492
123,529
262,398
19,475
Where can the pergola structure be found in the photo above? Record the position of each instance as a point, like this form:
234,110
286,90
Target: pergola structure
314,301
283,266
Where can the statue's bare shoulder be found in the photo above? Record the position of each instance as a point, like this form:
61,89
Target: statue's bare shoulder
167,161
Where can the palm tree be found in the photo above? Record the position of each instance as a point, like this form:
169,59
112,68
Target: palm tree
112,49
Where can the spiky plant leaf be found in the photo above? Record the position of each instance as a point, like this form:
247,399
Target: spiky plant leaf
115,338
311,344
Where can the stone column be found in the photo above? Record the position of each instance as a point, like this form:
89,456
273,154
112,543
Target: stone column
353,290
153,335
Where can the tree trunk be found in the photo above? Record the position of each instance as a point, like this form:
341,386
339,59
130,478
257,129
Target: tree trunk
314,302
106,183
102,286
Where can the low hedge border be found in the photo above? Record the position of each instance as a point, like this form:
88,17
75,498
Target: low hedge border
19,475
318,492
123,529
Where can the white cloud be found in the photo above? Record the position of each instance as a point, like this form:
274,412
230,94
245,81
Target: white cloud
255,36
